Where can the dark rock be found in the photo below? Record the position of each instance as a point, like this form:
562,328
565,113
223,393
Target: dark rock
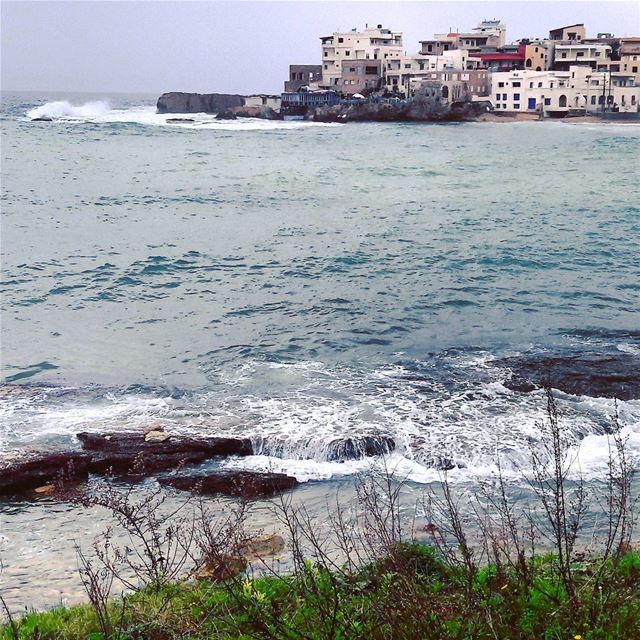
245,484
356,448
134,443
227,114
589,374
42,119
142,464
179,102
42,469
262,112
180,120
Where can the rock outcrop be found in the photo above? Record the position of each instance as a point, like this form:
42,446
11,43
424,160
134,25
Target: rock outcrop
359,447
42,469
244,484
134,443
262,112
179,102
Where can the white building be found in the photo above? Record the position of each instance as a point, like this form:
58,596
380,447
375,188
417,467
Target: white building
558,92
374,43
592,55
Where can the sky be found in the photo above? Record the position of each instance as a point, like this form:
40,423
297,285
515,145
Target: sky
236,47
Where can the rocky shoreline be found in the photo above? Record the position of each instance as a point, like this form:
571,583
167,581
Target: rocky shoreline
170,459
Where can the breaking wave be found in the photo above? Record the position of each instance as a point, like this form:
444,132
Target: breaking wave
100,112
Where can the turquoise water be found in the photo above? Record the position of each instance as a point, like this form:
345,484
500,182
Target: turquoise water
301,283
296,281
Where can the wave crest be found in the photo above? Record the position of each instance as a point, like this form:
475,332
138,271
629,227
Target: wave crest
64,109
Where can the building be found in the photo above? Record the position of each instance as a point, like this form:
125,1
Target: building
596,56
557,93
537,56
263,100
630,57
302,75
299,102
572,32
374,43
359,76
503,59
456,85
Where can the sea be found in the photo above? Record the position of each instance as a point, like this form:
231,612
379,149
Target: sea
301,283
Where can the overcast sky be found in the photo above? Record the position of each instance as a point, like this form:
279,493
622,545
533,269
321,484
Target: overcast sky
236,47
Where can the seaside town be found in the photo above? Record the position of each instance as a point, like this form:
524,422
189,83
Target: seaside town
566,73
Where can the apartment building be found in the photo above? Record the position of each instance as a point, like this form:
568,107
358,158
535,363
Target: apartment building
572,32
630,57
302,75
591,55
374,43
556,93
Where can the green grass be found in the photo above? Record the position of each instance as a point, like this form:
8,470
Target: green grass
410,595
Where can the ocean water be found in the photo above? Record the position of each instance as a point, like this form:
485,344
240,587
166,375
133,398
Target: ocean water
301,283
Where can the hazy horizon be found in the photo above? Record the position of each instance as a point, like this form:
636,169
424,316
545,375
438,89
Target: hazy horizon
236,47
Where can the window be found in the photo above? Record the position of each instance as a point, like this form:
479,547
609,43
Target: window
501,84
547,101
563,54
579,54
597,54
633,98
539,85
516,97
347,52
531,85
593,99
430,47
326,54
497,96
516,106
407,66
634,69
340,39
504,96
515,84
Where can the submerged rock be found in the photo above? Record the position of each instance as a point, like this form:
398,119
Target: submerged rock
588,374
261,546
180,120
42,119
41,470
244,484
360,447
227,114
222,568
135,443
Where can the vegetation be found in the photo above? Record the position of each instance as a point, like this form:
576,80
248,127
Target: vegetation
361,574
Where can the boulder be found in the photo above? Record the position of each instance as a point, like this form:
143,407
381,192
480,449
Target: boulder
172,120
262,112
42,119
179,102
222,568
359,447
156,436
42,469
135,443
227,114
243,484
260,546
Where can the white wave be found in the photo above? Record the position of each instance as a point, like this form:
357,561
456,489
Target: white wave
65,110
628,348
99,112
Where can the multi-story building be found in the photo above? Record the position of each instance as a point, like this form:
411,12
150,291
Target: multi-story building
630,57
302,75
591,55
572,32
556,93
537,55
374,43
456,85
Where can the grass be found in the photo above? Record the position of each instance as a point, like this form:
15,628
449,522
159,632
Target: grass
409,594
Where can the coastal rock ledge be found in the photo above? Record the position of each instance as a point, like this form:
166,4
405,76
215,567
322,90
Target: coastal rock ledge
179,102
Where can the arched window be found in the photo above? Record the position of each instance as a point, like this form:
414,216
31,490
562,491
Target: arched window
528,62
562,102
600,99
445,91
538,69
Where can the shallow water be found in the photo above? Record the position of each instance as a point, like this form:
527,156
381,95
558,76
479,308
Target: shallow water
297,282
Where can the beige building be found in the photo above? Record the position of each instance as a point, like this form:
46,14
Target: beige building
572,32
630,57
592,55
374,43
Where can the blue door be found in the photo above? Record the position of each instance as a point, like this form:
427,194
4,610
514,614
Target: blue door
532,103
